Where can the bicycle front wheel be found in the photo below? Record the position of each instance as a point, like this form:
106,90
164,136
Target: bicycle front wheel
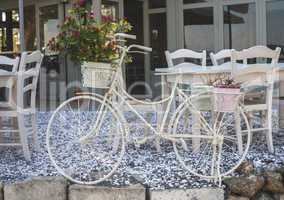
86,139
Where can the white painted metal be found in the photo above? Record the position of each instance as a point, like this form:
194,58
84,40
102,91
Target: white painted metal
20,109
9,84
259,74
183,54
213,133
221,55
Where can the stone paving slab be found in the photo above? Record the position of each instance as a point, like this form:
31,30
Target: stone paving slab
190,194
81,192
47,188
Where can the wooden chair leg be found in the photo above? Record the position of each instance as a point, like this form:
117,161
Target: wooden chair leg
34,129
250,120
239,132
23,137
196,126
269,99
269,137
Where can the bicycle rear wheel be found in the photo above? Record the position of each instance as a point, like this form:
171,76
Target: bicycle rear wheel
86,139
209,145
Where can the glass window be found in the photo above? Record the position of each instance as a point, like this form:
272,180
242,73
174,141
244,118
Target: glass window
48,23
30,28
158,39
9,28
199,29
110,9
157,4
275,28
195,1
239,26
10,33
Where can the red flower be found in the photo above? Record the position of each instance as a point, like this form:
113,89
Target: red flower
107,18
82,3
76,34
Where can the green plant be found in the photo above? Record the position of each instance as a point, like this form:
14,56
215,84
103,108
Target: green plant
83,38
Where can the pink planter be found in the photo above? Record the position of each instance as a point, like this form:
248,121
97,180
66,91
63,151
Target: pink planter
226,99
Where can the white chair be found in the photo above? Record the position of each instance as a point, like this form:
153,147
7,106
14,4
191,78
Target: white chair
183,54
8,84
183,60
25,100
255,75
224,56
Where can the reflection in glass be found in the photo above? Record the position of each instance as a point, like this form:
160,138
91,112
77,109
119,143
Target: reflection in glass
157,4
239,26
199,29
30,27
275,28
48,23
158,39
110,9
3,17
195,1
10,33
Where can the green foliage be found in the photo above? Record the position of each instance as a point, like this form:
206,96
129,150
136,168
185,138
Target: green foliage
84,39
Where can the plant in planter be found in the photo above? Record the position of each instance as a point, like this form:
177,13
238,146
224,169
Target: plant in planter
88,42
227,94
203,101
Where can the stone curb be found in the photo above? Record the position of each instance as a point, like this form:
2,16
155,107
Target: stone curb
39,188
81,192
56,188
195,194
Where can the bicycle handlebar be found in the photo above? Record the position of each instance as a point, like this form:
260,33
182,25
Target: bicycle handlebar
126,36
147,49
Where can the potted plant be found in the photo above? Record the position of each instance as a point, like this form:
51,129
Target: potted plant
89,43
227,95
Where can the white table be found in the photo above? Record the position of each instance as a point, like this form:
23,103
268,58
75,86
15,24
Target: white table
191,75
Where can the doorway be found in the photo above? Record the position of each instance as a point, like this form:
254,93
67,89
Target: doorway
135,71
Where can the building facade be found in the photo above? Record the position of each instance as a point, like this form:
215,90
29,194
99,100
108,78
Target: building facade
162,24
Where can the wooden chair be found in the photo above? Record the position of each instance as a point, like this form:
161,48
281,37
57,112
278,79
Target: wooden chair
10,65
224,56
182,60
182,55
25,100
256,75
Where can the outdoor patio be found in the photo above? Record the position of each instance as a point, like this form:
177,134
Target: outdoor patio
140,165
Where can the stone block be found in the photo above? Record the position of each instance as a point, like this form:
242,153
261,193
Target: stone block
40,188
231,197
82,192
196,194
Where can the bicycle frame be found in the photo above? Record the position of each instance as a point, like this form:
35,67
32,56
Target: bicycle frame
116,90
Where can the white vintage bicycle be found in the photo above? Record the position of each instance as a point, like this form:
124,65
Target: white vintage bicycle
87,135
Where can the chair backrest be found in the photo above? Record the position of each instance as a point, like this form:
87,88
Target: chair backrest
27,78
258,68
9,63
223,55
185,54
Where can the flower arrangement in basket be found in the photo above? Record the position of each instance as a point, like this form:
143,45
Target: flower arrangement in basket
90,43
227,95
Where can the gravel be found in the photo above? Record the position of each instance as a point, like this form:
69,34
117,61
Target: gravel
139,165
